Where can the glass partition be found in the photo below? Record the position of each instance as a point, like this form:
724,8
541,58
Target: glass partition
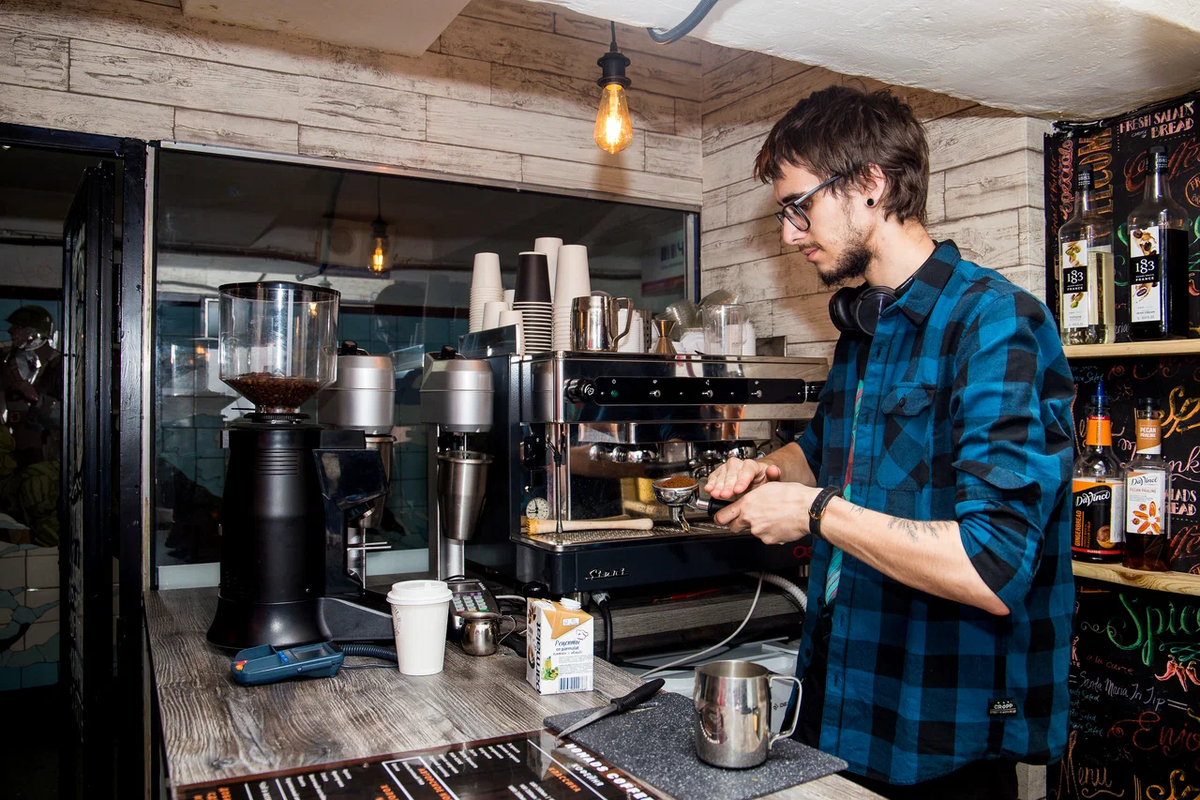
225,220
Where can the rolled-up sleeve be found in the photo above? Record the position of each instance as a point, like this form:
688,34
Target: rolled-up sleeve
1011,406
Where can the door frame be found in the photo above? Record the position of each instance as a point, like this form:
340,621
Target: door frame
131,321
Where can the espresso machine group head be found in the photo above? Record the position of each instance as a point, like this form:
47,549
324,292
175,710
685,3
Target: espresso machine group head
278,345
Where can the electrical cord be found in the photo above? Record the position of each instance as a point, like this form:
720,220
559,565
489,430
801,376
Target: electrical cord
684,28
722,643
638,665
370,651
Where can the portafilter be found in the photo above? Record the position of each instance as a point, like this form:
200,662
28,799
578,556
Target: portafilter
680,494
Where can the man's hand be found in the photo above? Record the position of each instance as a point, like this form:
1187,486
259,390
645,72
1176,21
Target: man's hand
774,512
736,476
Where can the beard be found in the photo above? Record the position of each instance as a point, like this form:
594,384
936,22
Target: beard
850,265
853,262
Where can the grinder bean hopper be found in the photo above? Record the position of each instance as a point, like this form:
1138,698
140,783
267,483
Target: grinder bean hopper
681,494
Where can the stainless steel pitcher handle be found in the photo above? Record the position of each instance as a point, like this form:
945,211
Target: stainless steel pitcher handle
795,717
627,304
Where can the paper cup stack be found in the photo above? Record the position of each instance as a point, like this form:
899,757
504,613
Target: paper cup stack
485,288
572,280
532,299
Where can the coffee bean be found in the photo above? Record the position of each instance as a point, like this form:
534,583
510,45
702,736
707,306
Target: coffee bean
273,391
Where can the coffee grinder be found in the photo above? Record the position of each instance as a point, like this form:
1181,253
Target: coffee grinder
456,403
278,347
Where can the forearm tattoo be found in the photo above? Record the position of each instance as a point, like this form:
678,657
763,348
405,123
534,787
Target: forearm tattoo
915,528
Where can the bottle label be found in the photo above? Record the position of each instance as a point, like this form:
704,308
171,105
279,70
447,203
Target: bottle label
1098,525
1099,432
1149,436
1145,275
1075,301
1146,495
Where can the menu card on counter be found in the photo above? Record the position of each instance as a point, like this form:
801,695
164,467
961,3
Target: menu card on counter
525,766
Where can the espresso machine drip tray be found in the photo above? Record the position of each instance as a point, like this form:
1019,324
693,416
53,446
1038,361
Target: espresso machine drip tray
659,533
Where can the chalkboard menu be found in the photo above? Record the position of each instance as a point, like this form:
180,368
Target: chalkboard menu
1135,697
1116,151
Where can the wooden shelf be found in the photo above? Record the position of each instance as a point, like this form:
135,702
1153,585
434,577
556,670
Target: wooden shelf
1177,582
1166,347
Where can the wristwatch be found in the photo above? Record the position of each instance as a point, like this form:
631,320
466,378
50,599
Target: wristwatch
817,509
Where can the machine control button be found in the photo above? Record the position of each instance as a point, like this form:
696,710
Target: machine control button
707,393
579,390
655,393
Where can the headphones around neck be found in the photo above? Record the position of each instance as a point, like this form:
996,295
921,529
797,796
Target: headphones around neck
856,309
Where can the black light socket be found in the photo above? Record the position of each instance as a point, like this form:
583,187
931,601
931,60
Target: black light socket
613,63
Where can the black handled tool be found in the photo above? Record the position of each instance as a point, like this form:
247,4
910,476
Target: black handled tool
615,706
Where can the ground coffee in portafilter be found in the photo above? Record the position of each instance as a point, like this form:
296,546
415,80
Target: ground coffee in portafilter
274,391
675,482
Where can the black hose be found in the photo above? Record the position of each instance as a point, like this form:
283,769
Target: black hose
606,612
684,28
370,651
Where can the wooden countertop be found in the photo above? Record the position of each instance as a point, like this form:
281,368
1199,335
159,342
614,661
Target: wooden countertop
215,730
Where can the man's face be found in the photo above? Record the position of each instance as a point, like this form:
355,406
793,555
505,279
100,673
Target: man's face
20,335
836,243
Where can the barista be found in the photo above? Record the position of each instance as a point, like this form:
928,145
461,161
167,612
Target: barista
31,380
934,477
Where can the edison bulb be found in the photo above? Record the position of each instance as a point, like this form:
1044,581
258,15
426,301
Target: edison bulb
378,256
614,129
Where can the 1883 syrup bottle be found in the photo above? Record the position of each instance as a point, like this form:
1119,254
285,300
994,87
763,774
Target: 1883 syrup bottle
1158,258
1098,519
1087,312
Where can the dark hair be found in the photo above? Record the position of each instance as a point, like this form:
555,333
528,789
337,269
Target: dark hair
843,131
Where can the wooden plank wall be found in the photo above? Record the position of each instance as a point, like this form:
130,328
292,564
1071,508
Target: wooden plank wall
985,191
506,94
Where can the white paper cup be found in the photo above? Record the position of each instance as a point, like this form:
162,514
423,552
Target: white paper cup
549,245
509,295
420,612
491,313
486,272
572,278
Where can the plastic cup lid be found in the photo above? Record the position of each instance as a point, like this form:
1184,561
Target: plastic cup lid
419,593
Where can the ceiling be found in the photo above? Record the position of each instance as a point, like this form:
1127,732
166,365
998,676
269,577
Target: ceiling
1062,59
407,27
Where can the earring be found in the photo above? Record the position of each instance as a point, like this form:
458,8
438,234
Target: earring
870,202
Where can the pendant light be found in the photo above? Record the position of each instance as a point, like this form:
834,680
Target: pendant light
614,129
379,232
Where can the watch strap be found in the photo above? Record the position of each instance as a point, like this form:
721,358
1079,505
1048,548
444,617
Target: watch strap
817,510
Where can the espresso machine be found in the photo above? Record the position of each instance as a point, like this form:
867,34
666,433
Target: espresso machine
288,480
585,435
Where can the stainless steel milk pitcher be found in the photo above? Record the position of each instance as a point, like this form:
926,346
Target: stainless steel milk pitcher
733,713
594,322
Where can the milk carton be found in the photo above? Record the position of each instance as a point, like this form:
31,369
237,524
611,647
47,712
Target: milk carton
559,641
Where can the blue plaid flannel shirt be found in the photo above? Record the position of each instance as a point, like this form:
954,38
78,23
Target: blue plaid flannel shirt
965,415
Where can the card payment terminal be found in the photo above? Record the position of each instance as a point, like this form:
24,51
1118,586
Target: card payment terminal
268,664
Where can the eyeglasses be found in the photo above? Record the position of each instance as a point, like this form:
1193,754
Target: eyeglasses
793,212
